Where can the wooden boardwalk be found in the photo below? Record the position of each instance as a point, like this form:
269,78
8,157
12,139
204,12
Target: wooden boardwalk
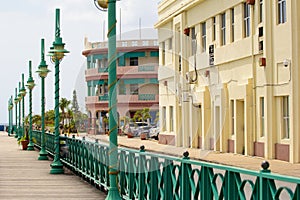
22,176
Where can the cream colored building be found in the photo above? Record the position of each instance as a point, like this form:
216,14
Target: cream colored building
229,76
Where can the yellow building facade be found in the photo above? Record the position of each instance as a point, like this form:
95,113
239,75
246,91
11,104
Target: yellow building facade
229,77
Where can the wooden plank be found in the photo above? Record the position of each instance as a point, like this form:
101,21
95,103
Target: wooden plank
23,176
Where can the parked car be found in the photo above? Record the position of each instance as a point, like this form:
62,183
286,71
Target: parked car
137,128
154,131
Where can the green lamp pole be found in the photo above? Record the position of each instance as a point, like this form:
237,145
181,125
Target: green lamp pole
57,53
19,100
30,85
10,109
23,93
9,117
16,101
113,193
43,71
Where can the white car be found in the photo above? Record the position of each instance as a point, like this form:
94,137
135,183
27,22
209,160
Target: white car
154,131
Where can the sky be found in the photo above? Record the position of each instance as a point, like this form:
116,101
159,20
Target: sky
25,22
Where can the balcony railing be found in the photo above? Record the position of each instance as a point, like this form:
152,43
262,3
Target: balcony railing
146,97
103,97
146,175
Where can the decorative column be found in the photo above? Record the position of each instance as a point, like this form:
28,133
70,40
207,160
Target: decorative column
30,85
9,117
19,100
57,52
43,71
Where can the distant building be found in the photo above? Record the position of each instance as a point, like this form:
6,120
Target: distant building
229,76
137,86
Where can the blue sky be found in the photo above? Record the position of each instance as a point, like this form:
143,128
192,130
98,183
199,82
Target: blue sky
23,24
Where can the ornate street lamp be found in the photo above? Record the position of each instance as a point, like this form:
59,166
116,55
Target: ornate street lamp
23,94
112,79
10,110
19,101
16,101
43,72
30,85
57,52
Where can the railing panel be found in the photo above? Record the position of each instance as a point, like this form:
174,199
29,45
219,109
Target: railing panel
145,175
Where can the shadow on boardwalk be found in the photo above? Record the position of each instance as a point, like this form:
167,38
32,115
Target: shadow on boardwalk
22,176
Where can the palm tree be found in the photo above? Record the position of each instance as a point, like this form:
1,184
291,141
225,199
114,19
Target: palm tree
142,115
63,105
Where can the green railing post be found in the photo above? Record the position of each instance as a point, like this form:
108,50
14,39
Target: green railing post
206,188
131,174
142,179
154,168
167,176
185,186
266,186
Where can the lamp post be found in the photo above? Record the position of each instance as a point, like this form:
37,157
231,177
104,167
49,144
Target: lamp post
10,110
43,71
57,52
23,93
16,101
30,85
19,101
11,114
112,79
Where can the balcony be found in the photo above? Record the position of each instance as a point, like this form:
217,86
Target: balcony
141,98
103,97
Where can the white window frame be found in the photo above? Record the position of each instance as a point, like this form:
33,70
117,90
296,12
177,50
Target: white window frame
281,11
247,28
223,29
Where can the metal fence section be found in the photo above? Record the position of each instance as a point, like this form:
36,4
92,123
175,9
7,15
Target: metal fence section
146,175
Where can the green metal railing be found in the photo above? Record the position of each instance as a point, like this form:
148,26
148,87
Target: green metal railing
146,97
146,68
145,175
103,97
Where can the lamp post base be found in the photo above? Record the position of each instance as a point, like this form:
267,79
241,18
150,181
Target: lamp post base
30,146
113,194
57,168
43,155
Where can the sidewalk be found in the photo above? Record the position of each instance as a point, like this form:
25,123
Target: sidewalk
247,162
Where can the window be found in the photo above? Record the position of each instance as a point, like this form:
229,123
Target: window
203,36
260,11
122,88
214,28
246,20
281,11
262,116
134,61
105,88
170,43
194,41
223,29
232,116
232,25
171,119
163,50
286,117
164,114
134,89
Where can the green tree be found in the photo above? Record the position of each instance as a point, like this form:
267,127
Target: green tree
142,115
63,105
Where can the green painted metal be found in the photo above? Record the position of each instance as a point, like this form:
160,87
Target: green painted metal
154,53
43,71
16,113
57,52
147,97
23,93
102,70
30,85
113,193
134,54
103,97
146,175
19,100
